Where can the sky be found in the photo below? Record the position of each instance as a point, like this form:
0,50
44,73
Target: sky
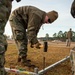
64,22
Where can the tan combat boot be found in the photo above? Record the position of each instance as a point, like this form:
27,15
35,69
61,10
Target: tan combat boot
24,61
23,58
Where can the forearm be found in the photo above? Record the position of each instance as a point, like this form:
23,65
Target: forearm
31,34
33,29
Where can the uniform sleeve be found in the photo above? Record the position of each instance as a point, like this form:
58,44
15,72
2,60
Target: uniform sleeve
32,28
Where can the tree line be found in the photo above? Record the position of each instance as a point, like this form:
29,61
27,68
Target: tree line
56,36
60,36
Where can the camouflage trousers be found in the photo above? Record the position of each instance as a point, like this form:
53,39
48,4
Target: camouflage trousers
72,59
3,47
68,42
2,59
4,15
19,35
2,69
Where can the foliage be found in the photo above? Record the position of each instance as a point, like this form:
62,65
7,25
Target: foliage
57,36
62,36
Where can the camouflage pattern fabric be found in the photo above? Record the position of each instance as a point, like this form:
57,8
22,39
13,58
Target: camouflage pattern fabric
5,9
19,34
25,23
69,38
69,35
72,59
68,42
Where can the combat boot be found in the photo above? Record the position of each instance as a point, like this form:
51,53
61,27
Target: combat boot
24,61
23,58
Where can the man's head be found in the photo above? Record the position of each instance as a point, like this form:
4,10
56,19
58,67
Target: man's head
70,29
52,16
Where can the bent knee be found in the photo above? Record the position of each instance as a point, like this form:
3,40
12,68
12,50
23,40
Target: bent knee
19,35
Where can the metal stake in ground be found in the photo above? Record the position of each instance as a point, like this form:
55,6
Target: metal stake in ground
45,50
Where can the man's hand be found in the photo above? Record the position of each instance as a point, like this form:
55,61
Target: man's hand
37,45
73,9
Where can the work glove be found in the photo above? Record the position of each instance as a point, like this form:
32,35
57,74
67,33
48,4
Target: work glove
37,45
73,9
18,0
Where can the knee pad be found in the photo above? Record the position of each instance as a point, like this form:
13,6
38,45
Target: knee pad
19,35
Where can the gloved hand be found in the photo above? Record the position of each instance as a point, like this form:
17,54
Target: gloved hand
37,45
18,0
73,9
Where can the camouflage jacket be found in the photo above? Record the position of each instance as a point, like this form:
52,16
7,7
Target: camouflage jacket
69,35
33,19
5,9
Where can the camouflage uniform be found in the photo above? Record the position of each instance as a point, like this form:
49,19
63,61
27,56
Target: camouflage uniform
25,23
73,9
72,60
69,37
5,9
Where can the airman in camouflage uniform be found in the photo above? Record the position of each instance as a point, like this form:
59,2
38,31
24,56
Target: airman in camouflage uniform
69,37
25,22
5,9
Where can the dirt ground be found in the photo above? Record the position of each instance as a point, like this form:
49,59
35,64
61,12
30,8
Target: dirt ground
56,51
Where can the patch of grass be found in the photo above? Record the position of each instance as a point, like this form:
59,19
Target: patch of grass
54,54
